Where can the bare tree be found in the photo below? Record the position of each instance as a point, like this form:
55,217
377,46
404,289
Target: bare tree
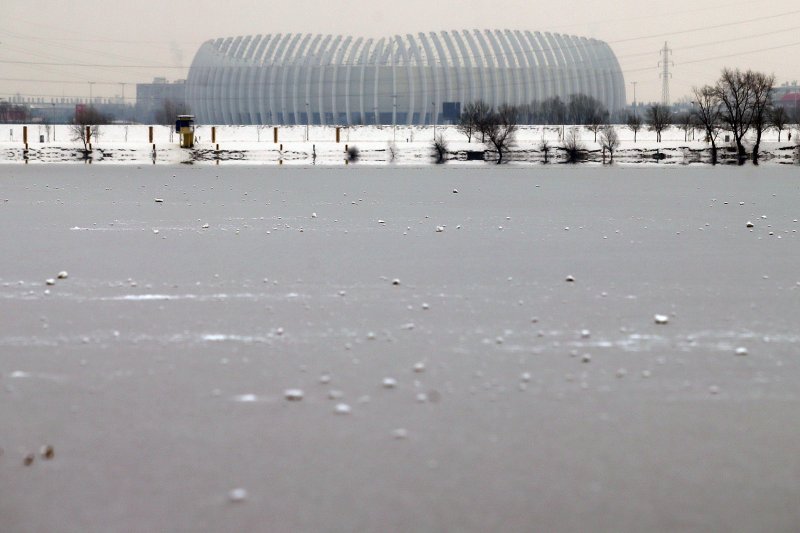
472,119
609,140
596,123
86,125
634,123
658,119
545,148
527,113
353,154
584,110
686,122
573,146
708,115
471,115
797,145
466,124
482,114
778,120
552,111
762,86
440,149
501,129
734,90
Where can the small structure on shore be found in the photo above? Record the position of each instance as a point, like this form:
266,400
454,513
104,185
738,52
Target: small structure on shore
184,127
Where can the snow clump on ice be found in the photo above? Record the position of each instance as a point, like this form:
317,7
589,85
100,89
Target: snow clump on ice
293,395
237,495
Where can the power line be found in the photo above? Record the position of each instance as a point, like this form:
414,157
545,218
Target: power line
87,65
469,55
486,84
705,28
623,56
743,53
746,52
61,46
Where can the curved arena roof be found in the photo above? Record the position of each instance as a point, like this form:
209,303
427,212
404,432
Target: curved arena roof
293,78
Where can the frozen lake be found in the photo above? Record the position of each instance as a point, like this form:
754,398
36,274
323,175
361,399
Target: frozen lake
452,378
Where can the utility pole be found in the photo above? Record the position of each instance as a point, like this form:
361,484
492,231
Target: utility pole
433,105
634,96
665,63
394,97
123,100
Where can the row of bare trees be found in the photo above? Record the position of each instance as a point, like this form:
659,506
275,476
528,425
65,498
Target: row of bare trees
739,102
578,109
496,128
657,118
86,123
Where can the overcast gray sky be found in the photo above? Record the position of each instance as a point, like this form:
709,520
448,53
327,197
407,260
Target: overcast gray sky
163,35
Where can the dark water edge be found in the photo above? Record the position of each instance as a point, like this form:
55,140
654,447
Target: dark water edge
669,156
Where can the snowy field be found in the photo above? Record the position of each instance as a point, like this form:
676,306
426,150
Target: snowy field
317,146
399,349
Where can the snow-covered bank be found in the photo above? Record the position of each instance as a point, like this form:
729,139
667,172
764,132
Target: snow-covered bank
377,145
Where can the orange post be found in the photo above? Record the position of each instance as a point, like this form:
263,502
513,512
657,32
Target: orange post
213,134
275,135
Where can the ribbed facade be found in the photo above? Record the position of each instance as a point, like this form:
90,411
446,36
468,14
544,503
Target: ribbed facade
297,78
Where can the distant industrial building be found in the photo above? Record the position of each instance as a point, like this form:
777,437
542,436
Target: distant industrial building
59,110
403,79
151,99
787,96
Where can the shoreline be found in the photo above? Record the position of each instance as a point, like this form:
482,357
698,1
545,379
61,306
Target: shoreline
286,145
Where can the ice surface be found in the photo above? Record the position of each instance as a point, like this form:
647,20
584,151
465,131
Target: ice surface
159,369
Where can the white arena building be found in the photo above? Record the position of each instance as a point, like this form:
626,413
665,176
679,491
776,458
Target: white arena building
297,78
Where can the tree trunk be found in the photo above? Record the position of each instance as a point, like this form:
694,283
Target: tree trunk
741,152
756,147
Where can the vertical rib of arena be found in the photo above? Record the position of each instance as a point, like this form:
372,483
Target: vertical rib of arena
404,79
